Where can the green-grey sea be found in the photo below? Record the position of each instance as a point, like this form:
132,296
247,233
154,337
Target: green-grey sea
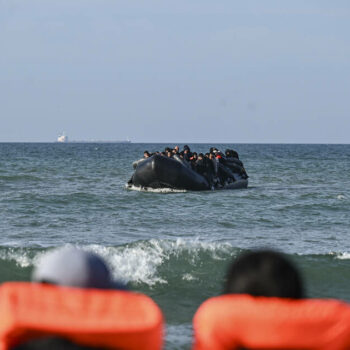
176,247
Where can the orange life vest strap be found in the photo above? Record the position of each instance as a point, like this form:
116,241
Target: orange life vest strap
241,321
103,318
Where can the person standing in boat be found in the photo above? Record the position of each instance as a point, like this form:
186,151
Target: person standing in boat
209,170
187,153
193,160
204,167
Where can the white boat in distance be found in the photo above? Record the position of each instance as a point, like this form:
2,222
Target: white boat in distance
64,139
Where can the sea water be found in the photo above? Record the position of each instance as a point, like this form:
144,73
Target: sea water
176,247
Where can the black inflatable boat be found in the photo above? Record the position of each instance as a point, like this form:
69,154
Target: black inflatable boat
159,172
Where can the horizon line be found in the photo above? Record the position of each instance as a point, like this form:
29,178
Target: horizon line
175,142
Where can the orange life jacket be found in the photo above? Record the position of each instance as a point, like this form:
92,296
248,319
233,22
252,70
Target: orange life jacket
110,319
241,321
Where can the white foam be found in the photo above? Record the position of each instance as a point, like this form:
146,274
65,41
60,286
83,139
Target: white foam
153,190
21,257
25,257
21,260
135,263
341,196
138,262
189,277
343,256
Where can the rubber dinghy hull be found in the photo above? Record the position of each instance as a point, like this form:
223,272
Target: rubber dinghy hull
159,172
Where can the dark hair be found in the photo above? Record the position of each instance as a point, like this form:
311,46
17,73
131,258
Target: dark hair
264,273
231,153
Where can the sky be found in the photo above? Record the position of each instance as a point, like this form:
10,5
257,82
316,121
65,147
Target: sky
175,71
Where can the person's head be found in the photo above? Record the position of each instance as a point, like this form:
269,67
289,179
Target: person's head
176,148
200,156
264,273
186,147
73,267
211,155
234,154
207,155
146,154
169,154
186,151
167,149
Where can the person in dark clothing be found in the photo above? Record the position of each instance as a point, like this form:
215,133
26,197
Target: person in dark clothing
209,170
199,165
175,150
230,153
187,155
213,163
194,156
193,160
234,163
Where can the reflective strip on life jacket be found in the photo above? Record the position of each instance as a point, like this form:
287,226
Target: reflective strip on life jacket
110,319
231,322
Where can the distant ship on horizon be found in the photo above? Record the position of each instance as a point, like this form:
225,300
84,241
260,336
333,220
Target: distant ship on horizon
64,139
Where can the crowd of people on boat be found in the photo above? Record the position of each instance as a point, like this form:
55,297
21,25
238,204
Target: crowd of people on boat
219,168
74,303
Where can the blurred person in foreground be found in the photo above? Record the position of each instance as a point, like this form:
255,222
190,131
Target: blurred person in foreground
74,303
263,307
264,273
73,267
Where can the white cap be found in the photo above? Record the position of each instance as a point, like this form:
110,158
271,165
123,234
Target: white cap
74,267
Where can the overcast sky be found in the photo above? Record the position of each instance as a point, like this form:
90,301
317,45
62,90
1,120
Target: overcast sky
175,71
